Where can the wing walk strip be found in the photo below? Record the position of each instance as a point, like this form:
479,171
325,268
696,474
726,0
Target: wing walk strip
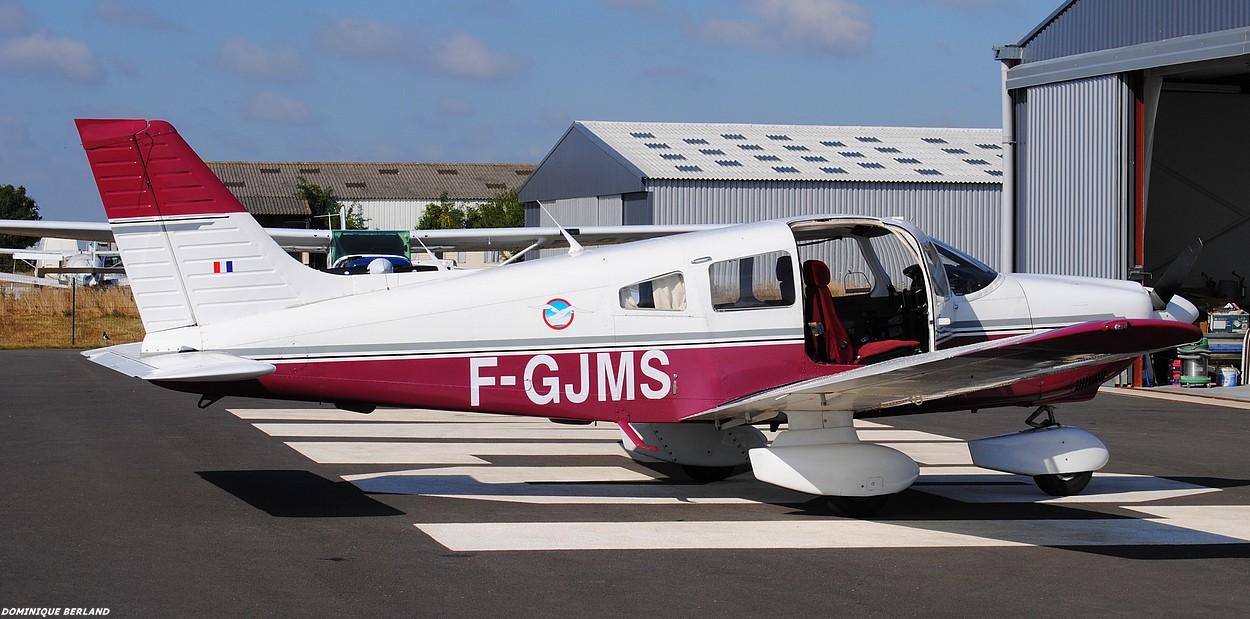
455,448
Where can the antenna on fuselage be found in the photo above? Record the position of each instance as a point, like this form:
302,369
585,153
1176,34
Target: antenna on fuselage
574,246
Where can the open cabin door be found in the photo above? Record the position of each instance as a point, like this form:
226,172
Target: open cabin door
886,292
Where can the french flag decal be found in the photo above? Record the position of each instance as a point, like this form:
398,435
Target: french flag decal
226,266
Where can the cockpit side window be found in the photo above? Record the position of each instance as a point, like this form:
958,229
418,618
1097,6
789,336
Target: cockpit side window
666,292
965,273
762,280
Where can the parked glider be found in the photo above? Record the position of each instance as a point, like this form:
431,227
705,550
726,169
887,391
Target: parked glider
686,342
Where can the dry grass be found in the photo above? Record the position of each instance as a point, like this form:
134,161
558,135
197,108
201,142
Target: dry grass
42,318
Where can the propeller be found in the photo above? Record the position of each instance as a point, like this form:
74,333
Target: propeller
1175,274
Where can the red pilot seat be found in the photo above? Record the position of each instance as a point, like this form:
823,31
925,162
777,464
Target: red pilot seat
827,340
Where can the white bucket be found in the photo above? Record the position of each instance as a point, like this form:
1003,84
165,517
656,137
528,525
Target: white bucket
1229,376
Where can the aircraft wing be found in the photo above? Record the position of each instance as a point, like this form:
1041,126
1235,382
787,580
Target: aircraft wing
190,366
30,280
477,239
892,386
81,230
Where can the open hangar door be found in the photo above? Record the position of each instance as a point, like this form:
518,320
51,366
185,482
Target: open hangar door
1196,127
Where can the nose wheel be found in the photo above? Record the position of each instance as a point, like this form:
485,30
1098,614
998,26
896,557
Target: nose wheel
1066,484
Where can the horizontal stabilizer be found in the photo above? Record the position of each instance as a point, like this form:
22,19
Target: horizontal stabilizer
191,366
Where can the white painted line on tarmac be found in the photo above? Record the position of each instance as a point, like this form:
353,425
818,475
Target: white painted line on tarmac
335,452
891,435
1103,488
456,431
935,454
1231,521
384,414
811,534
519,474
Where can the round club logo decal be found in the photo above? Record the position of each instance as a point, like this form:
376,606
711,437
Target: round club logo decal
558,314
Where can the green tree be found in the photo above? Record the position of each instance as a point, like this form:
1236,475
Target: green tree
325,206
15,204
442,215
503,210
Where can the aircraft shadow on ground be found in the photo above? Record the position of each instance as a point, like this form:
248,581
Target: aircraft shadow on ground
298,494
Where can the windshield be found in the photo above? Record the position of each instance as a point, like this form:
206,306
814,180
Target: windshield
965,274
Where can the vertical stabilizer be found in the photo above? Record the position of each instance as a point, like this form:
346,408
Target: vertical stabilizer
193,254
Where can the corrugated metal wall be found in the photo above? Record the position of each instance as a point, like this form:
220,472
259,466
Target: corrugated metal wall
1094,25
1074,191
965,215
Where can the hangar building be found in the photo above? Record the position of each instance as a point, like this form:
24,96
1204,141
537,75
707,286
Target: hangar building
1129,129
948,181
391,195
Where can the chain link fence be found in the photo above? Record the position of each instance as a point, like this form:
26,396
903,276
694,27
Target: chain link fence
72,317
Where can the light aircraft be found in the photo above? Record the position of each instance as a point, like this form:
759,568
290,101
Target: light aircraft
686,342
66,262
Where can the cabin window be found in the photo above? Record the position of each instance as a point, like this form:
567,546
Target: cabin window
762,280
666,292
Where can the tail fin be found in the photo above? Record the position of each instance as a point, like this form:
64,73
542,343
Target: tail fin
193,254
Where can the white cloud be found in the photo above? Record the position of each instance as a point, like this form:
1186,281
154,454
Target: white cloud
367,40
648,7
460,55
448,105
464,56
122,14
284,64
274,108
13,18
46,53
827,26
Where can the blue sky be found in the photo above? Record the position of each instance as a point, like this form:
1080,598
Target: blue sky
474,80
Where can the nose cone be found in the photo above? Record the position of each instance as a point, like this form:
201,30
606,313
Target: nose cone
1180,309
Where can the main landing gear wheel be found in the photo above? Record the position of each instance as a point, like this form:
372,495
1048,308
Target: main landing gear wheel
857,506
1063,484
707,474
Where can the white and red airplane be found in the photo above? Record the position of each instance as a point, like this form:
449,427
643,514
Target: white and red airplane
687,342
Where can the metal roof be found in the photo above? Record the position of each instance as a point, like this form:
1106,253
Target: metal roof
737,151
268,188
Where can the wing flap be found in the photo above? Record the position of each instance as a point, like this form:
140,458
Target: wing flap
915,380
191,366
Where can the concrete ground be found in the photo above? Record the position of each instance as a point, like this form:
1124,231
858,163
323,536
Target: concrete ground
124,496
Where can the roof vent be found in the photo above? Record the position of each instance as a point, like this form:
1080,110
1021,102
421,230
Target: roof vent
911,160
768,157
814,158
976,162
733,136
642,135
234,184
888,149
310,170
270,170
779,138
833,170
851,154
868,139
356,185
934,140
689,168
496,186
786,169
872,165
994,172
448,171
955,151
523,172
672,156
989,146
833,144
711,151
750,147
388,171
729,163
795,147
928,172
695,141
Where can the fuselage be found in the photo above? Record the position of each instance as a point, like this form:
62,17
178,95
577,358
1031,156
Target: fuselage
651,331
